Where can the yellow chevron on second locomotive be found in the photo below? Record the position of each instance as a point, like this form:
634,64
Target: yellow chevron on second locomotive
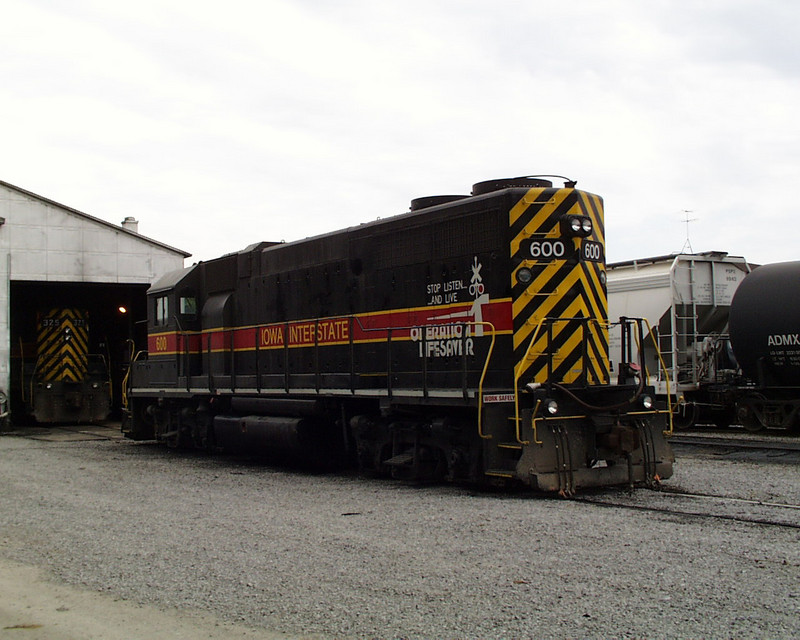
63,345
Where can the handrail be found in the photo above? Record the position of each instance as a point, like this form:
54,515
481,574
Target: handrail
425,356
126,377
107,368
32,378
517,375
124,389
354,319
518,370
669,431
533,424
483,376
643,361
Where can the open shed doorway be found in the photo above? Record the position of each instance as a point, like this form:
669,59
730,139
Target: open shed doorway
113,315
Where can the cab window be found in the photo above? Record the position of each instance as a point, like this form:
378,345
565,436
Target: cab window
188,306
161,310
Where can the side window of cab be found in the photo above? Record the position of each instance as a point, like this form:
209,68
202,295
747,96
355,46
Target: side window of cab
188,307
161,311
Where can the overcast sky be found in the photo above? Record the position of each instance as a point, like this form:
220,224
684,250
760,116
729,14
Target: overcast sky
219,124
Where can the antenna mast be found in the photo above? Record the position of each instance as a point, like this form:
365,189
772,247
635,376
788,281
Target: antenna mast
687,220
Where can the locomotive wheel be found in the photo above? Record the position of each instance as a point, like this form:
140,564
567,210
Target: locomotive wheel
202,429
173,441
428,466
752,424
749,419
138,423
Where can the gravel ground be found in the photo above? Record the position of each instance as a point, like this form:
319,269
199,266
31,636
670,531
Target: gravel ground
337,556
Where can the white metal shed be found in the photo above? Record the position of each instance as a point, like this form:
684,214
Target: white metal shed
49,250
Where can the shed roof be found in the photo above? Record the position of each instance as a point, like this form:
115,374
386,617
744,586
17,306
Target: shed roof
110,225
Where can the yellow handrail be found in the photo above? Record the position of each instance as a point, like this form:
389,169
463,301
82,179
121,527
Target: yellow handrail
669,431
483,377
517,376
124,390
518,368
533,425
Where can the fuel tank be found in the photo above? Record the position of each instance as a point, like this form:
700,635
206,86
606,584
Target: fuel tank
765,324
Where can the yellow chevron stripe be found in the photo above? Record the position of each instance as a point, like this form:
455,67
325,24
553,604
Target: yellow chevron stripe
599,306
61,359
557,329
565,349
597,205
599,371
538,283
580,287
518,209
543,309
540,218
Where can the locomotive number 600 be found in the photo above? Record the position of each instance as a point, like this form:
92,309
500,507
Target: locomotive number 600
592,251
547,249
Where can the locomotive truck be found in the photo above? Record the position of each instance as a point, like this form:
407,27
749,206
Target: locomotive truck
465,340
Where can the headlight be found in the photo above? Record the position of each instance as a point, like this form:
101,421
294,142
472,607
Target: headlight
524,275
551,406
647,402
580,226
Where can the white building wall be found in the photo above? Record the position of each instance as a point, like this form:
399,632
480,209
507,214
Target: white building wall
43,241
51,244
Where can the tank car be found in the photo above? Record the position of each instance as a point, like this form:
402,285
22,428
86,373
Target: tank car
765,335
63,382
465,340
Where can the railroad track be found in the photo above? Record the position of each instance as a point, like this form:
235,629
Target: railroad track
676,502
741,441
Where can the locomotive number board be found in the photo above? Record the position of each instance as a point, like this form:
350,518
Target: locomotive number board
547,249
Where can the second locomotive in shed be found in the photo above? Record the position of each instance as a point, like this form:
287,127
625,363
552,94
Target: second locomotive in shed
62,380
466,340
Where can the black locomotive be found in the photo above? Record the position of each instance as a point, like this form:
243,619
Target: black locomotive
466,340
62,380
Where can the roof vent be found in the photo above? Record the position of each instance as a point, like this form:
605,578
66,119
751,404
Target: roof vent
432,201
131,224
508,183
